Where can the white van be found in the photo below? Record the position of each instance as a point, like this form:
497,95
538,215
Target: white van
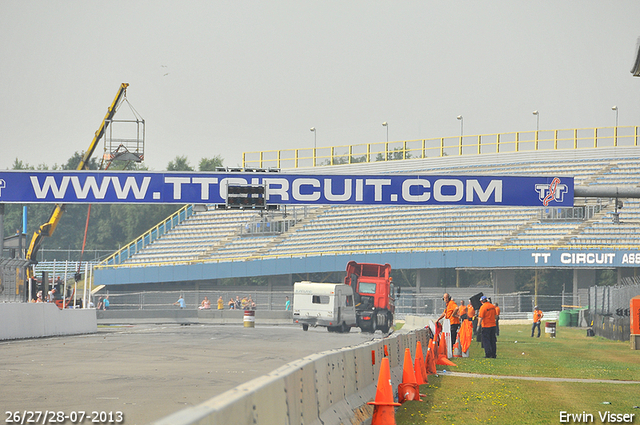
324,304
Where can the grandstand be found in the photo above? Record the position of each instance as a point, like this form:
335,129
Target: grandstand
415,237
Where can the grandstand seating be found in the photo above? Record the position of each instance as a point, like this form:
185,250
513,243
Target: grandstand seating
216,235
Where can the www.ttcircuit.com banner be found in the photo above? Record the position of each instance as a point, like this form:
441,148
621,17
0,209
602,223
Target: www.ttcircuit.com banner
68,187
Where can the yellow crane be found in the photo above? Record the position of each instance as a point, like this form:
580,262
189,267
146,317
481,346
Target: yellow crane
49,227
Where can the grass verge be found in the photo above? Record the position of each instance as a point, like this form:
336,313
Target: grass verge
457,400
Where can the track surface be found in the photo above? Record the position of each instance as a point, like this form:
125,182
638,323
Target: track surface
149,371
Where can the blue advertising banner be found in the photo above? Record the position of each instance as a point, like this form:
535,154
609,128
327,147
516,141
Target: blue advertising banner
69,187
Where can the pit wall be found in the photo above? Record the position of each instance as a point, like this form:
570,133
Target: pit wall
189,316
36,320
328,388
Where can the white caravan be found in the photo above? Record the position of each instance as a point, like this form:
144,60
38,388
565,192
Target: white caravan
324,304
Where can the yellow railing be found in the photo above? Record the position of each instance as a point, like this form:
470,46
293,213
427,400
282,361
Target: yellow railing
522,141
148,237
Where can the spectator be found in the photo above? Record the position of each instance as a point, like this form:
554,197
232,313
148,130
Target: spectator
497,319
106,303
232,304
205,304
487,321
244,303
220,303
100,304
238,303
287,303
537,319
180,302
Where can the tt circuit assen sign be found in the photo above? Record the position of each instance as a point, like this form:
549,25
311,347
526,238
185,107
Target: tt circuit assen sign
284,189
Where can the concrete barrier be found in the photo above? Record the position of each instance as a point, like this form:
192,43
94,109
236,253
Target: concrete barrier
36,320
328,388
177,315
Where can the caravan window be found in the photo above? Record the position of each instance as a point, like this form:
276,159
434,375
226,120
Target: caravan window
320,299
367,288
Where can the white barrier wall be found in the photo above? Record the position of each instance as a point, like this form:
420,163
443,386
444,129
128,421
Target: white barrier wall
35,320
327,388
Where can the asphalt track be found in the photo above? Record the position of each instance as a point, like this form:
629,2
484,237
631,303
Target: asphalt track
149,371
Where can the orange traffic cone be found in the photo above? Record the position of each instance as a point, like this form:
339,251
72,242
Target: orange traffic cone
420,367
383,411
431,358
443,359
408,389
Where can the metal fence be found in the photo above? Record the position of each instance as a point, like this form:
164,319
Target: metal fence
612,300
515,305
162,300
11,278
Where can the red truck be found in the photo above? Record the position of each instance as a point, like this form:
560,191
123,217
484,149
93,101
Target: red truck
374,295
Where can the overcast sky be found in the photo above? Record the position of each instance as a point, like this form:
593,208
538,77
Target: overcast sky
222,77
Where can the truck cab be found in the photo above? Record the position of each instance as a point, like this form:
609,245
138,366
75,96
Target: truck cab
373,294
324,304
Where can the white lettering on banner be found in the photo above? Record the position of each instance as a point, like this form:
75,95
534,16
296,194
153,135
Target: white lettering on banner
50,184
587,258
359,190
543,190
494,186
439,184
330,196
177,183
298,183
377,184
406,190
90,184
545,256
224,184
631,258
131,184
204,183
282,191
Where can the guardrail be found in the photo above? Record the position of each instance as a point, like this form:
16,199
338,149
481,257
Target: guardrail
520,141
326,388
149,236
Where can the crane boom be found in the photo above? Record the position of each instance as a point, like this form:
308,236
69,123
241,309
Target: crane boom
49,227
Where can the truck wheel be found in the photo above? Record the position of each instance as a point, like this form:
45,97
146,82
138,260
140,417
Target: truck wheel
386,325
305,327
374,324
345,328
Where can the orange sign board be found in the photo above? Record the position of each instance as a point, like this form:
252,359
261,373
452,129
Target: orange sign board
635,315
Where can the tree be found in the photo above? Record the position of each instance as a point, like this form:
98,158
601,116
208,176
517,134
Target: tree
179,163
210,164
74,161
19,165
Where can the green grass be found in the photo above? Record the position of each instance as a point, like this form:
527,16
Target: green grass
457,400
570,355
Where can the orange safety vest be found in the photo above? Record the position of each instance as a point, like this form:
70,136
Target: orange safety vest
470,312
488,314
537,315
497,311
462,310
448,313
